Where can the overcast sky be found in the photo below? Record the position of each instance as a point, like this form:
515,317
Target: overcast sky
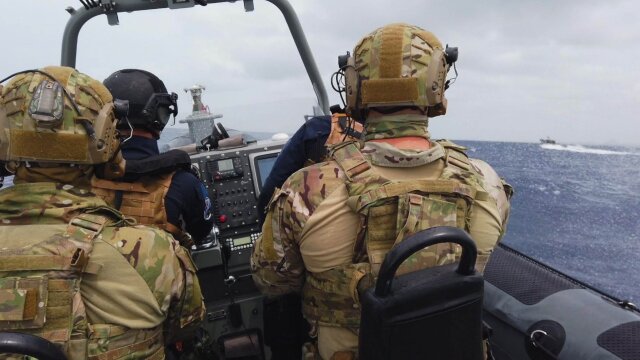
528,69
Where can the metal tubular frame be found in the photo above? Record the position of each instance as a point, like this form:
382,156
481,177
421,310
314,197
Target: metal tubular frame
81,15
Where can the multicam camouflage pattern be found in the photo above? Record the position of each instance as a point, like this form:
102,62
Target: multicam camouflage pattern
397,65
45,203
333,290
395,126
61,141
391,211
386,155
52,229
417,45
276,262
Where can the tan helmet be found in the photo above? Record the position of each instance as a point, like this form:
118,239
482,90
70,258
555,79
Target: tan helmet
398,65
57,115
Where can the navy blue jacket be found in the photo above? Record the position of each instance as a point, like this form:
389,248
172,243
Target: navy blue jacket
187,201
306,144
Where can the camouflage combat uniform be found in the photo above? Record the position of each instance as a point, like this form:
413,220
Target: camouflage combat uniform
72,272
312,240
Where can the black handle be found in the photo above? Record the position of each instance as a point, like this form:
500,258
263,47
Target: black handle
31,345
420,240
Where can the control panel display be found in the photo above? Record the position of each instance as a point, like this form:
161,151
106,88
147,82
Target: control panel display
242,241
225,165
262,164
264,168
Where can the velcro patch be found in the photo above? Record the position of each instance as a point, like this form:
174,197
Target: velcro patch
48,146
381,91
18,304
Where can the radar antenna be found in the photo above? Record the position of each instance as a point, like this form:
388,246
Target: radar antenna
196,93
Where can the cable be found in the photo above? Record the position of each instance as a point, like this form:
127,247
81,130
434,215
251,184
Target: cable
338,85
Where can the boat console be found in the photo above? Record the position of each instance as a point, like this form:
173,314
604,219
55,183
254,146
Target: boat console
234,178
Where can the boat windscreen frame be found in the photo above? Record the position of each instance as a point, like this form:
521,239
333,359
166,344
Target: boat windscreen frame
111,8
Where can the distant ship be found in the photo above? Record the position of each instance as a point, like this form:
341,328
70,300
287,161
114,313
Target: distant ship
548,140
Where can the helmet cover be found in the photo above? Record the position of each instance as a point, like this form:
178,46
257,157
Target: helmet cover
57,115
397,65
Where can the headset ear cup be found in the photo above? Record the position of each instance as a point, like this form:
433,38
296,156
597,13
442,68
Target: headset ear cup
436,79
352,84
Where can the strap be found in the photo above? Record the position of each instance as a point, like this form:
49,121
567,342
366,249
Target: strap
397,188
413,218
121,352
350,159
118,185
349,127
34,262
82,228
90,224
117,200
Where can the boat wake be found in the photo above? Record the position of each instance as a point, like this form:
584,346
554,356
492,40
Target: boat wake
584,149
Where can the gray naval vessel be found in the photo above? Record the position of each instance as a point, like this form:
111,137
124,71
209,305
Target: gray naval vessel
530,311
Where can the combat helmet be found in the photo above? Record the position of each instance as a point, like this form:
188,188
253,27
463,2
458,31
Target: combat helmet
150,105
397,65
57,116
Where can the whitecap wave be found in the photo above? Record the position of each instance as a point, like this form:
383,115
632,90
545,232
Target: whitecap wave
584,149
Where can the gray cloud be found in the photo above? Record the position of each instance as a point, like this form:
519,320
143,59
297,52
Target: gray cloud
528,69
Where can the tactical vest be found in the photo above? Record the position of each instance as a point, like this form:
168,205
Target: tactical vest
142,200
40,294
390,210
343,129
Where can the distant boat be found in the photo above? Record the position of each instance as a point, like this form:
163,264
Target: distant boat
548,140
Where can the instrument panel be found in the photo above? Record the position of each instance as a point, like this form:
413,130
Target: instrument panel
233,178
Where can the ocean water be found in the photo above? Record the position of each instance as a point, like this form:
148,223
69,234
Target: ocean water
575,208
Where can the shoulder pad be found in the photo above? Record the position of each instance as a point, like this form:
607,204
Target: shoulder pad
448,144
455,154
159,164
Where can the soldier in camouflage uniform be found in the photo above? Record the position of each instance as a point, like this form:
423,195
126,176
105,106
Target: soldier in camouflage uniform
331,224
72,270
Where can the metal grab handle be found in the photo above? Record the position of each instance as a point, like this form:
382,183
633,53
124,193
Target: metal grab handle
30,345
420,240
538,348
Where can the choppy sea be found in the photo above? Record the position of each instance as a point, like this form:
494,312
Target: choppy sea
576,208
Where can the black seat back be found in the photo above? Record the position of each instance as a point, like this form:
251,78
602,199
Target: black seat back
434,313
31,345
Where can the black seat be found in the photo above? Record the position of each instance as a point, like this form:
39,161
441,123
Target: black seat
30,345
434,313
